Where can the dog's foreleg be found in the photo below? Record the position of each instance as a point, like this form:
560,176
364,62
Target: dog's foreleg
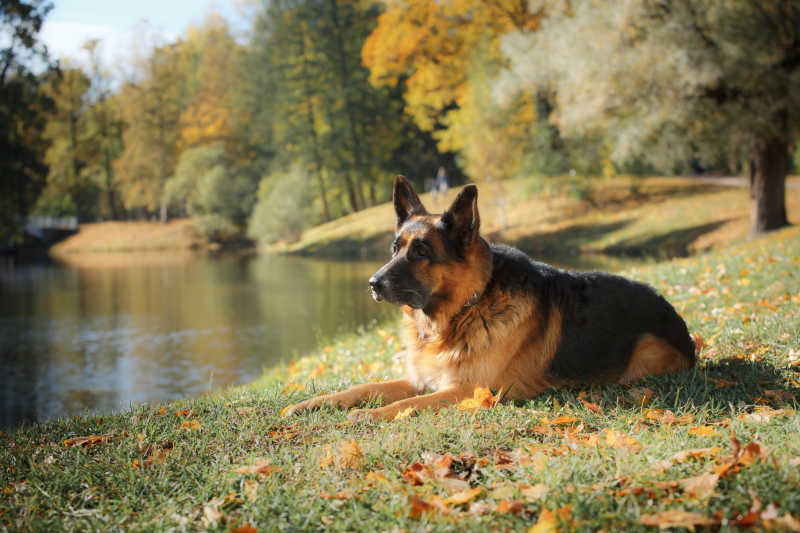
386,392
435,400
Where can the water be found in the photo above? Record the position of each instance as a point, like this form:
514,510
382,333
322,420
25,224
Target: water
109,331
105,331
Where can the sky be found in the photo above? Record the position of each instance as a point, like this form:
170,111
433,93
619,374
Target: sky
118,22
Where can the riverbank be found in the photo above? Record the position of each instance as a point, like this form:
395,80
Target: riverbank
713,447
178,235
620,216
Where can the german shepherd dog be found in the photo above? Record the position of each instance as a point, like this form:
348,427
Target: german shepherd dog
480,314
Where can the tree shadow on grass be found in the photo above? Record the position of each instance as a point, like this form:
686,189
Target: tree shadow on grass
671,244
714,386
566,239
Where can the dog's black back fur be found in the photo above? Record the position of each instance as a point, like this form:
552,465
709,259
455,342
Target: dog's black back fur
603,315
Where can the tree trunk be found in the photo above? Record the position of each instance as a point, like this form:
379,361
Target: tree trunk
768,185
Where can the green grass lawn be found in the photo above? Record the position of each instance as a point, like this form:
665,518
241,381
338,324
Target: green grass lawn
714,447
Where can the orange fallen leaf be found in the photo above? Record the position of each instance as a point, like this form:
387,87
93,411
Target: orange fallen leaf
481,398
677,518
703,431
86,442
506,506
593,407
420,507
247,528
261,467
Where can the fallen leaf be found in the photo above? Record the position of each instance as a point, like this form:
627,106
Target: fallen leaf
701,486
678,518
211,515
620,440
350,455
481,398
261,467
703,431
463,497
86,442
247,528
546,523
682,456
535,492
405,413
250,490
506,506
420,507
762,414
593,407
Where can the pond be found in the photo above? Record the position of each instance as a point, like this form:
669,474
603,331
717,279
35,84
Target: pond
105,331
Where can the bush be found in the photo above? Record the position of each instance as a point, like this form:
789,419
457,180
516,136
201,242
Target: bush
284,208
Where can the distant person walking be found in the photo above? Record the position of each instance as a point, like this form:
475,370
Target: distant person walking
440,184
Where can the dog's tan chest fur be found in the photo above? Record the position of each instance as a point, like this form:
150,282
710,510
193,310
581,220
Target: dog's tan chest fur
482,344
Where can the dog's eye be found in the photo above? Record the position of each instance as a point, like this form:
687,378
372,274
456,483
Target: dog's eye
395,248
420,250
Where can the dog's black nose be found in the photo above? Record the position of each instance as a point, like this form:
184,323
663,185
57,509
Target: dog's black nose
375,283
376,287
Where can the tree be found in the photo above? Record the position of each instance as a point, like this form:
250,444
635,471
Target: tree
104,129
151,107
69,150
670,81
445,55
22,108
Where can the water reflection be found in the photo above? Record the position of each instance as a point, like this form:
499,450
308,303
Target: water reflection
77,336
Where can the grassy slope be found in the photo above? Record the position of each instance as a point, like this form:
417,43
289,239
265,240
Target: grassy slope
160,470
626,216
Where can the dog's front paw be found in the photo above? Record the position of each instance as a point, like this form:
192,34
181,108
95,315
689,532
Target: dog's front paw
292,409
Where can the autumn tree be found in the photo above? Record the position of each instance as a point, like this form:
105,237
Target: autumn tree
151,106
445,55
669,81
22,111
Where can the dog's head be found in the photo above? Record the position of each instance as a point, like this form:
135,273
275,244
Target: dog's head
435,258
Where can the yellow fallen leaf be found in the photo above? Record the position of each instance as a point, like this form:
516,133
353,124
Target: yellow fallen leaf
481,398
547,523
405,413
463,496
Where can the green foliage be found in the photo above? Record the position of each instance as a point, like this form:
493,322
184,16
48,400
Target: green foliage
210,189
284,206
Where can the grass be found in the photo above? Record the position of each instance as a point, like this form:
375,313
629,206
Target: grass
583,459
620,216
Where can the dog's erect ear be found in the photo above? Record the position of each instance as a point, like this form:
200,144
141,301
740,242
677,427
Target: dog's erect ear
462,220
406,201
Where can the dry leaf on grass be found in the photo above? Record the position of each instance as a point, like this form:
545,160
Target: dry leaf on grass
481,398
463,496
547,523
261,467
678,518
88,441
